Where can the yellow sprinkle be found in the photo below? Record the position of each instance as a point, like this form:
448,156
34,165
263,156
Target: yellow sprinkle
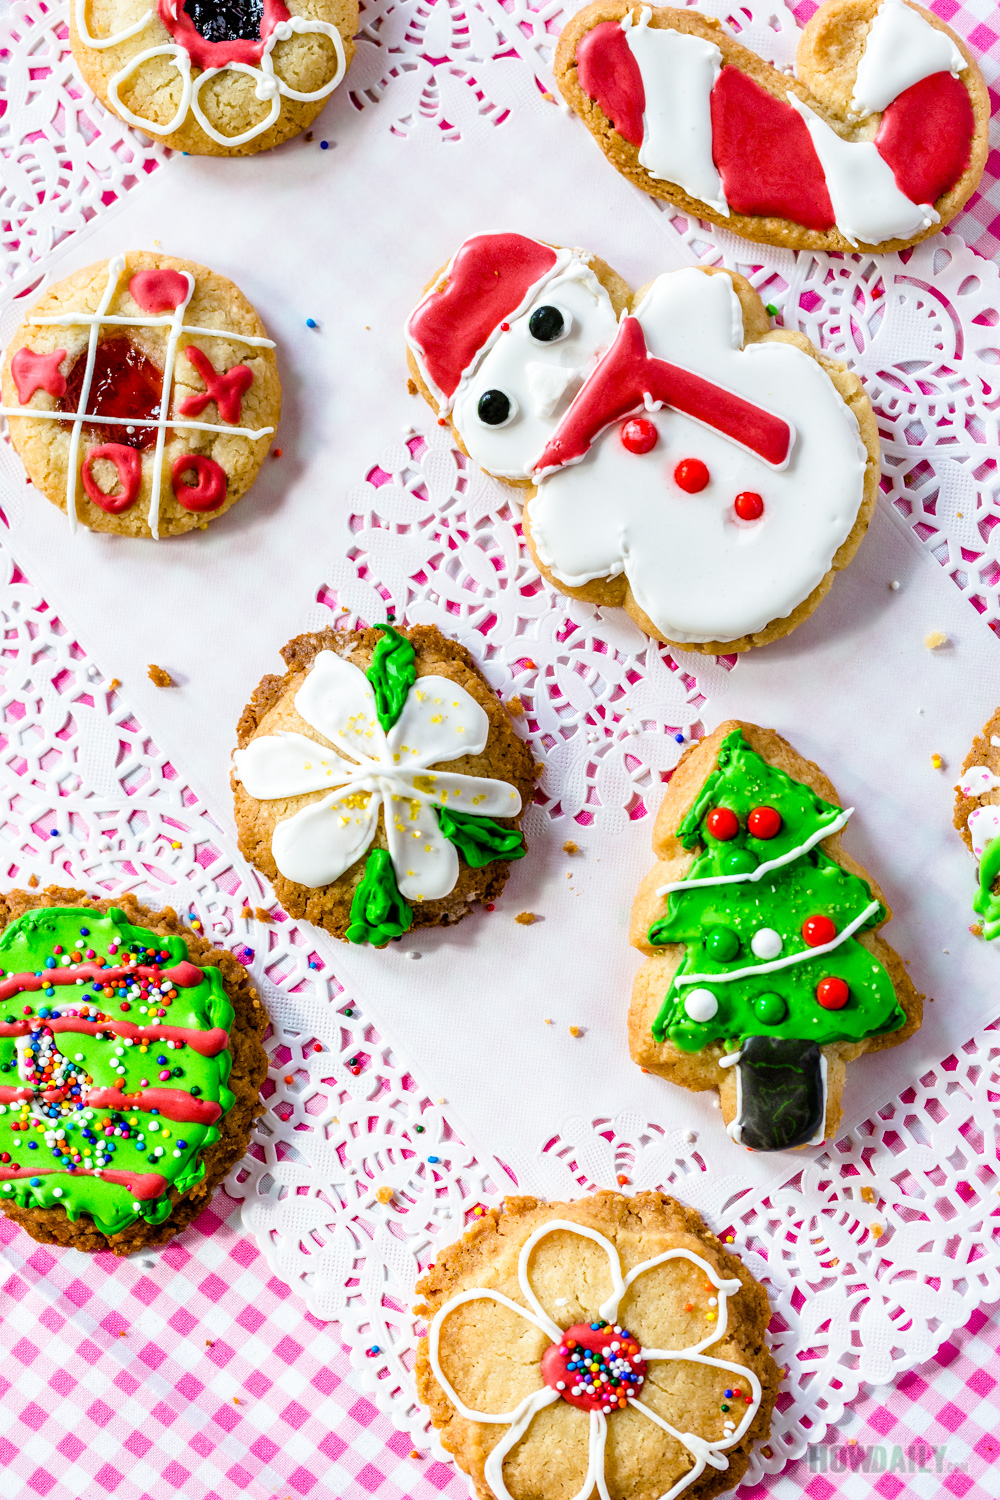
934,639
936,761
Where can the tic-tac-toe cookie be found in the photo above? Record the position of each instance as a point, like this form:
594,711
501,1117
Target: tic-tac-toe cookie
977,818
379,783
130,1069
142,394
765,971
877,140
683,459
609,1347
214,77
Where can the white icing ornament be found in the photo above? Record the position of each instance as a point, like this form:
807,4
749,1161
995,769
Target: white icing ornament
701,1006
766,943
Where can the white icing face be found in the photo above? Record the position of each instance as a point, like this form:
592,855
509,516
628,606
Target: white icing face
698,571
509,407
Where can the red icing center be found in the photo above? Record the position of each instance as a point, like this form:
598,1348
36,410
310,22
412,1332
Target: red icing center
209,489
129,466
589,1371
124,384
226,388
37,372
926,137
208,54
158,292
764,154
608,73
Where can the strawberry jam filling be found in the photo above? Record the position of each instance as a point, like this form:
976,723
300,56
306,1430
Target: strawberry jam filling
124,384
595,1366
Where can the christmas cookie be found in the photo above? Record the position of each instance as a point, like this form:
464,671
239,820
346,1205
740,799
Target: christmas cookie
977,818
765,971
214,77
379,784
142,395
130,1069
877,141
683,459
609,1347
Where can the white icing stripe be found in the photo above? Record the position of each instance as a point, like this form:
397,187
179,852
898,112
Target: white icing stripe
735,1127
814,838
678,74
788,961
902,48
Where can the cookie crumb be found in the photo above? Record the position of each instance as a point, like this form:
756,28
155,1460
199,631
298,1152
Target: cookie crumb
570,848
262,914
411,387
159,677
935,639
538,770
549,1021
547,96
384,1194
33,881
525,918
877,1231
936,761
976,929
867,1195
115,682
576,1031
515,707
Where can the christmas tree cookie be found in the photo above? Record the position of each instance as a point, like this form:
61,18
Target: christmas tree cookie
765,971
977,818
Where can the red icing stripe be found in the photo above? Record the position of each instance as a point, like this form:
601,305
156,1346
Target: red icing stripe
628,373
38,372
142,1185
173,1104
608,73
926,137
764,154
184,975
205,1043
488,280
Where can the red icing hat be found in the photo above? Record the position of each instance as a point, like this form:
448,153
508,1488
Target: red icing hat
488,280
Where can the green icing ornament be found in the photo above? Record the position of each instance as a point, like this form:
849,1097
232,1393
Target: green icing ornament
378,911
391,674
984,903
480,840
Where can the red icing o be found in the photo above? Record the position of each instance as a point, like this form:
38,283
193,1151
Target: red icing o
581,1336
926,137
226,388
608,73
217,54
209,490
142,1185
488,281
129,465
37,372
764,154
158,292
628,373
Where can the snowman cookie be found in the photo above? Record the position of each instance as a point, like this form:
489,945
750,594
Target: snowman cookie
214,77
977,818
683,459
142,394
877,141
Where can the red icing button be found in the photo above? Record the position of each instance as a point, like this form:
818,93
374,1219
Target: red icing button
817,931
639,435
832,993
209,489
748,505
37,372
129,466
158,292
691,475
596,1369
764,822
722,823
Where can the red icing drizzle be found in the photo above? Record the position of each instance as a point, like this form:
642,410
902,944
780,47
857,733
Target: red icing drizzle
205,54
123,383
205,1043
488,280
158,292
226,388
926,136
764,154
129,465
142,1185
172,1104
608,73
37,372
185,975
628,373
209,490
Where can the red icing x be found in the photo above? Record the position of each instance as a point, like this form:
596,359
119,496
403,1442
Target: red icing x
609,74
765,155
225,388
129,466
206,54
926,137
158,292
620,1374
623,379
37,372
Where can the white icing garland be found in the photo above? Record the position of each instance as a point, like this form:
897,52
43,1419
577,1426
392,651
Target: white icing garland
788,960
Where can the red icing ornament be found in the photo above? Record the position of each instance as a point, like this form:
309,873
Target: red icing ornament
639,435
723,824
764,822
816,931
33,372
158,292
226,388
628,374
832,992
691,475
487,282
926,136
623,1375
607,71
209,490
124,383
765,155
206,54
129,465
748,505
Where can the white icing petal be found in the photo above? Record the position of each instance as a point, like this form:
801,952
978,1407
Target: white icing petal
287,765
425,862
978,780
338,700
984,825
317,844
484,796
901,48
440,721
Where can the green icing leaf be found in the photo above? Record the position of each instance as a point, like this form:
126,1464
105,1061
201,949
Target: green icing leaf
378,911
480,840
391,674
984,903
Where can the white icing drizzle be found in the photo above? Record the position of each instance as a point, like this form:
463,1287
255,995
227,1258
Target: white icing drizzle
867,204
269,85
678,74
789,959
902,48
704,1452
735,1127
174,323
984,826
977,781
816,837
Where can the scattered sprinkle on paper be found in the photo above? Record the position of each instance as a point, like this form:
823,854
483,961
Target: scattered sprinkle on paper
936,761
894,585
935,639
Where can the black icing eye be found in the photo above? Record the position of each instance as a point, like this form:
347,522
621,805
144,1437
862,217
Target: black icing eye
546,324
494,409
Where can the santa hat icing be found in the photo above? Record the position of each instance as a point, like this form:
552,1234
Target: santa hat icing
491,279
